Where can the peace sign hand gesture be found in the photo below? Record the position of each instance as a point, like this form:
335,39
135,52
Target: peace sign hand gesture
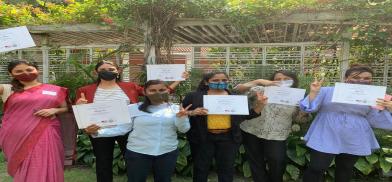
82,99
183,112
316,85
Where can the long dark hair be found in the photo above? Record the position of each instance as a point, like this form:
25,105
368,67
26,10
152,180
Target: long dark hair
358,68
202,85
288,73
100,63
17,86
147,101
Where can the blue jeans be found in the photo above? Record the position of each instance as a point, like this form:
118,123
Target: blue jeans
140,165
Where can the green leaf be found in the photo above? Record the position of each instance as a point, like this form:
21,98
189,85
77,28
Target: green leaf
238,160
286,176
117,152
293,171
182,160
385,166
242,149
372,159
331,172
388,159
115,170
181,143
121,165
363,166
300,160
300,150
246,169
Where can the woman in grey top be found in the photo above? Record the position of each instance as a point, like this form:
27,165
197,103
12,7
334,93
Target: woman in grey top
264,137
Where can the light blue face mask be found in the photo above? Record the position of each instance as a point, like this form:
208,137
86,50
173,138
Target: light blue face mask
286,83
218,85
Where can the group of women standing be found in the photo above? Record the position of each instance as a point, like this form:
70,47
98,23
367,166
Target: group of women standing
30,134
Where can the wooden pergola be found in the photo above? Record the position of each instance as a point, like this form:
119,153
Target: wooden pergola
299,29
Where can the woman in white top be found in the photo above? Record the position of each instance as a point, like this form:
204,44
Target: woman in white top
109,87
152,142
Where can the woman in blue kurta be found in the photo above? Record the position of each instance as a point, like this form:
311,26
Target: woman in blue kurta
341,131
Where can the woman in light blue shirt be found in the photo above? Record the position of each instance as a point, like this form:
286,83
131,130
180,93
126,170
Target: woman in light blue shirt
152,142
341,131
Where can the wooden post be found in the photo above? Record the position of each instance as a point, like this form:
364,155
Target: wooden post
386,68
118,58
192,57
228,60
345,59
302,61
67,58
20,54
45,58
45,64
263,62
91,54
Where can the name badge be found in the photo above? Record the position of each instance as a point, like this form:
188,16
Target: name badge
45,92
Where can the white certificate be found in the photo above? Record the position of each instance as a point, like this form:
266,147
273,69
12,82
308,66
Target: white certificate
15,38
165,72
284,95
103,114
226,104
357,94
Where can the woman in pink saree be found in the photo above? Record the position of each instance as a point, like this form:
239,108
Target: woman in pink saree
30,135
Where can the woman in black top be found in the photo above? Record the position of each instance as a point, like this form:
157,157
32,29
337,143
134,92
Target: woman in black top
215,136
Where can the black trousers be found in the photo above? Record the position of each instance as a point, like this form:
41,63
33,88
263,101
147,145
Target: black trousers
319,163
103,149
220,147
140,165
262,153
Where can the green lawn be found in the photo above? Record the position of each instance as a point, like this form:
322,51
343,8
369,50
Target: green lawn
88,175
80,175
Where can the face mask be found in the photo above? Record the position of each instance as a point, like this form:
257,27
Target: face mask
26,77
218,86
363,82
107,75
159,97
286,83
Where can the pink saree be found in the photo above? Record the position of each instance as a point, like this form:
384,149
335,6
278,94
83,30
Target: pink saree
32,145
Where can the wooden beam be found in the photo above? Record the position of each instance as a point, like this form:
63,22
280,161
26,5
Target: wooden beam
208,34
294,35
239,35
196,34
256,30
285,32
215,31
201,22
305,34
265,33
273,31
252,44
185,35
249,37
89,27
224,29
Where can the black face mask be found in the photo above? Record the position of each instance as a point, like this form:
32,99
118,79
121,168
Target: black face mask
363,82
107,75
159,97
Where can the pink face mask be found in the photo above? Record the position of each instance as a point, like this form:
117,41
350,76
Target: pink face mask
24,77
